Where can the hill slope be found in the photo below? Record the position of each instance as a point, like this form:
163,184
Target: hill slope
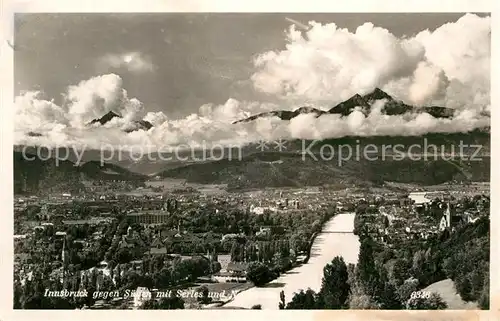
296,167
447,290
33,175
287,169
271,169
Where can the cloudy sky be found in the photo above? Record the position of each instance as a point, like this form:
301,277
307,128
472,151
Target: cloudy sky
204,71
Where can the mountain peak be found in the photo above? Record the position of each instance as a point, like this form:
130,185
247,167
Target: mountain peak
306,110
111,113
104,119
377,94
34,134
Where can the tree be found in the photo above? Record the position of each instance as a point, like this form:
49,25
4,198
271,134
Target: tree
235,251
59,303
418,264
398,271
281,263
118,276
484,299
386,222
282,300
405,290
385,292
334,285
361,301
367,273
484,296
303,301
170,303
18,294
358,299
204,299
464,287
123,255
433,302
215,267
259,273
151,304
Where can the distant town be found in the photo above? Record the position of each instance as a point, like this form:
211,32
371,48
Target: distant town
120,246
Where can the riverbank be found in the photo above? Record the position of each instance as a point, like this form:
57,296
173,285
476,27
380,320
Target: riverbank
336,239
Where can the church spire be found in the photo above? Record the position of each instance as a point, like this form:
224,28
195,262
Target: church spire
63,259
63,249
448,215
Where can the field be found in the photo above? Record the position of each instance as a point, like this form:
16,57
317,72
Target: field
173,184
446,289
472,188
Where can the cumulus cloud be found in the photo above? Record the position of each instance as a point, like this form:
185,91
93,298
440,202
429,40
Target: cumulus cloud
332,64
131,61
448,66
95,97
88,100
156,118
91,99
212,125
233,110
34,113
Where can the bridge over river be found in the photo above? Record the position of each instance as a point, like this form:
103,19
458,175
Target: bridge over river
336,239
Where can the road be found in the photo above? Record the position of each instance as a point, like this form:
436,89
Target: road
336,239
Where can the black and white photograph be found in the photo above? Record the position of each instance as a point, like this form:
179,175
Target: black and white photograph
251,160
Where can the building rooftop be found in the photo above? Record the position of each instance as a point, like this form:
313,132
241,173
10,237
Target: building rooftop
149,212
237,266
157,251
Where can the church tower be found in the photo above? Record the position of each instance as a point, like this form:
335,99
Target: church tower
63,259
63,249
447,214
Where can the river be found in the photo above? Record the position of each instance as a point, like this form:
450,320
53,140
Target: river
336,239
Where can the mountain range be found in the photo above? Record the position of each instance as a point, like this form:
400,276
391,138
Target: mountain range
275,169
292,168
256,169
365,102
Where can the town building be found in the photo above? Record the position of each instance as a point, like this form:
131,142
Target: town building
149,217
233,272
